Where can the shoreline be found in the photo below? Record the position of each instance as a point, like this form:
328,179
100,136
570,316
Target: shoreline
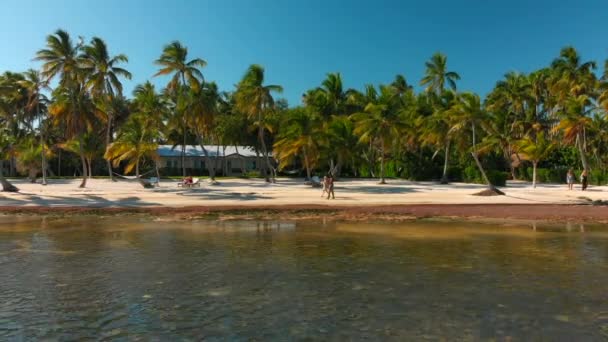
510,212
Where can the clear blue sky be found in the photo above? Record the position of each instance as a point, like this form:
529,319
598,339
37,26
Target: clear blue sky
300,41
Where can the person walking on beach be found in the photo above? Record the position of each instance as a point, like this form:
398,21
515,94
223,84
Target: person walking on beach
330,186
584,179
325,187
570,179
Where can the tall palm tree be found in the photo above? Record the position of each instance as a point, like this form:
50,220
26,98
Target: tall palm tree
255,99
436,75
72,106
468,112
174,60
37,100
102,72
186,76
379,123
202,108
75,111
573,84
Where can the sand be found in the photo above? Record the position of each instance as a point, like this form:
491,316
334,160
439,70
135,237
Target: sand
363,198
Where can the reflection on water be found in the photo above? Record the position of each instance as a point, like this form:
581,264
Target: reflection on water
134,278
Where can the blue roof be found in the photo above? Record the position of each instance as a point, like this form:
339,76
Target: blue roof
212,150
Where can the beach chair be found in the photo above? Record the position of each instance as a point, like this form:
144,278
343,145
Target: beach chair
154,181
195,182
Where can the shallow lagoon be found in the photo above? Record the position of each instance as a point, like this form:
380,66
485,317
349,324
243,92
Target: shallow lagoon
137,278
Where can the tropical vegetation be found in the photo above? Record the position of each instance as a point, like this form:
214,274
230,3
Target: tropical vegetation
72,117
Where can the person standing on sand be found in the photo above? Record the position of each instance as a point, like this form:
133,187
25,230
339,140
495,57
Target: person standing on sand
570,179
330,186
584,179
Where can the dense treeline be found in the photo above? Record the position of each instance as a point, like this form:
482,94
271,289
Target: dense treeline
530,126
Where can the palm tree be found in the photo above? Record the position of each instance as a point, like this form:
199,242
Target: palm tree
301,135
174,60
133,143
436,75
151,111
74,110
536,150
103,72
468,111
255,100
37,101
436,127
573,84
72,106
379,123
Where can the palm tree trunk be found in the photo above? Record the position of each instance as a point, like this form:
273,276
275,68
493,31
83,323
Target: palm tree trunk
307,165
483,172
581,150
264,153
208,162
444,177
184,153
42,146
59,164
243,161
90,163
84,162
108,138
137,168
6,185
157,170
534,164
382,180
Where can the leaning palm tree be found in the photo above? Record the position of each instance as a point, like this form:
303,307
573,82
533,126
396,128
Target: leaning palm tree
255,99
102,72
436,75
186,76
468,112
133,143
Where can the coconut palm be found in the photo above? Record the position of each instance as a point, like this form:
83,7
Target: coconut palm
60,59
254,98
174,60
74,110
536,150
301,135
436,75
186,76
134,142
36,104
380,124
468,112
102,73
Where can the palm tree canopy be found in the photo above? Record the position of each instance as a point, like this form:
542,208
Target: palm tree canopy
174,60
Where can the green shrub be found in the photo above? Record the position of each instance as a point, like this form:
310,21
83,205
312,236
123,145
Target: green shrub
498,178
598,177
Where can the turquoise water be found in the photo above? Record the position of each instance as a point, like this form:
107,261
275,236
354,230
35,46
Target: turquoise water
128,278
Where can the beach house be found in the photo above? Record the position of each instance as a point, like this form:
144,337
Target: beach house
226,160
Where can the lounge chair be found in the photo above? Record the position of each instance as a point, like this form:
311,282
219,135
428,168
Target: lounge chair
195,182
154,181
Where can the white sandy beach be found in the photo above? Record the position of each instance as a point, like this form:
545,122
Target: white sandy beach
255,192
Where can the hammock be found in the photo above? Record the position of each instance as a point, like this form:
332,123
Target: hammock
292,172
132,177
